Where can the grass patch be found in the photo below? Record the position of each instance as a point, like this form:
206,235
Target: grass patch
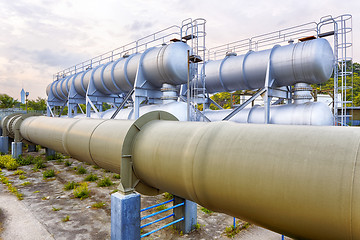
81,170
91,178
56,209
26,183
82,191
205,210
36,191
168,196
19,172
197,226
161,207
22,177
96,167
49,173
39,163
66,219
71,185
114,191
25,161
68,163
231,231
10,187
98,205
38,148
56,156
105,182
116,176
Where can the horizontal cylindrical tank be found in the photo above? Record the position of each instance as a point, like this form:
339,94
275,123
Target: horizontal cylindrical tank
166,64
301,181
178,109
310,113
307,62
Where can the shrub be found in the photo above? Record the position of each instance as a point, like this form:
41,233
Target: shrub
6,161
91,177
71,185
105,182
12,165
81,170
82,191
49,173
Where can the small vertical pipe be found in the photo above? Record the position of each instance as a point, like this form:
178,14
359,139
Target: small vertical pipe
234,223
188,86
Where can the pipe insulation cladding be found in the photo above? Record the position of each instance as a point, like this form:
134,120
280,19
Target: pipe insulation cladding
304,62
166,64
300,181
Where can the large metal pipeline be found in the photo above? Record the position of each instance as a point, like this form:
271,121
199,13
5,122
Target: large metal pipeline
305,62
300,181
166,64
95,141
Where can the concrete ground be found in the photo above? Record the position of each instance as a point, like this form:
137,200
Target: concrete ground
46,204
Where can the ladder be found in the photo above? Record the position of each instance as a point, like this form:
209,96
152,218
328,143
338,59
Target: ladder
343,65
193,32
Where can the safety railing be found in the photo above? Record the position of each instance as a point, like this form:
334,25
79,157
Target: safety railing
264,41
140,45
160,219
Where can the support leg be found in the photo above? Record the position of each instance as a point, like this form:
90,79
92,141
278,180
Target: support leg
16,149
125,216
50,152
31,148
188,211
4,145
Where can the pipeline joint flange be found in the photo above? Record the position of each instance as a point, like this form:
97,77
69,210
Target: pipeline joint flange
17,124
129,181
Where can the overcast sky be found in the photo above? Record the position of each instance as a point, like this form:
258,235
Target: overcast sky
42,37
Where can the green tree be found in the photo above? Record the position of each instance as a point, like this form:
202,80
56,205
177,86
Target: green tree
7,102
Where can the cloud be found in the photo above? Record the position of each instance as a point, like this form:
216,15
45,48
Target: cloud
41,37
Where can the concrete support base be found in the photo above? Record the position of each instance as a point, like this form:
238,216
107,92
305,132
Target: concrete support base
50,152
4,145
31,148
188,211
16,149
125,216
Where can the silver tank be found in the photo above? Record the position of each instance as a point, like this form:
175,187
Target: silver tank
307,62
310,113
166,64
178,109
